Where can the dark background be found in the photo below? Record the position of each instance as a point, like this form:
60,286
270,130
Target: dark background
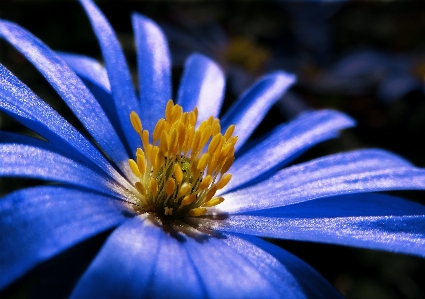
308,39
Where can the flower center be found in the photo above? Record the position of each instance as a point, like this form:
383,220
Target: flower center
178,174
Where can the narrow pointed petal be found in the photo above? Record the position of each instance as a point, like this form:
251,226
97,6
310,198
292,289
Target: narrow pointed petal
353,172
286,143
254,104
40,222
122,89
19,102
205,267
154,66
138,261
70,88
202,86
20,160
88,68
374,221
95,77
291,277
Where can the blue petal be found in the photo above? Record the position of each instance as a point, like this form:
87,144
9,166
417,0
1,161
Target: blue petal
286,143
70,88
153,61
253,105
202,85
88,68
95,77
119,76
19,102
353,172
20,160
140,260
372,221
40,222
292,277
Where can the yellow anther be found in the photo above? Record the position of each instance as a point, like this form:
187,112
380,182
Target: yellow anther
173,146
195,110
187,200
178,173
148,152
196,141
170,186
205,135
210,193
193,117
212,165
145,139
216,129
154,154
184,189
159,127
203,125
168,211
184,118
197,212
224,181
153,187
141,162
169,109
210,120
190,133
182,133
213,202
229,131
227,164
214,144
134,168
164,142
232,140
140,188
205,182
135,122
176,113
227,148
203,162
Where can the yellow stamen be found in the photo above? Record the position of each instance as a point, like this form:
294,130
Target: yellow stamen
188,200
197,212
184,189
157,131
169,187
205,182
203,162
178,173
140,188
154,187
211,193
224,181
184,166
213,202
229,131
135,122
134,168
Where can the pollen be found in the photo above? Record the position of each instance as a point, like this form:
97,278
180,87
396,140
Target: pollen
182,166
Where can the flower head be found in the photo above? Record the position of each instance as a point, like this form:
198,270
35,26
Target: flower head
183,226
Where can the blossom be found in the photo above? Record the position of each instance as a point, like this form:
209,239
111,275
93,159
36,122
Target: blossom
211,248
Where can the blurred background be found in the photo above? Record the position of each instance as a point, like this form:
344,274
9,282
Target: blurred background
366,58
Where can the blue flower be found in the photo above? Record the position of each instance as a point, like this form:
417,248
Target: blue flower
166,244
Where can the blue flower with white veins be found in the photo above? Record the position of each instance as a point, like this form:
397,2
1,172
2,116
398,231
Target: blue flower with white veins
186,215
